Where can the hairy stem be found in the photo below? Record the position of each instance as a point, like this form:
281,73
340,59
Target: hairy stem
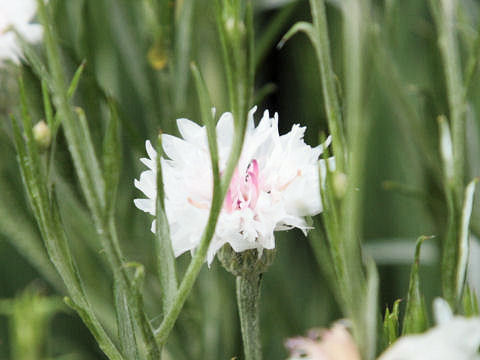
248,298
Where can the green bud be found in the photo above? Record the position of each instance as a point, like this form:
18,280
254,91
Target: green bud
42,135
245,263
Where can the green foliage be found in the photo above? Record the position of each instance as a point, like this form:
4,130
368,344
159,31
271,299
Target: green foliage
415,319
375,75
391,325
470,302
29,315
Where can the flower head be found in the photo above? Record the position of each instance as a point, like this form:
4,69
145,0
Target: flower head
275,184
16,15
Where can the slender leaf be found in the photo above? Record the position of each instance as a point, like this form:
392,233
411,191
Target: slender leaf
163,245
126,327
415,320
470,302
76,79
463,241
208,120
95,328
112,154
391,324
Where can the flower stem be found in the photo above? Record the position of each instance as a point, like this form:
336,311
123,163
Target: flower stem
248,298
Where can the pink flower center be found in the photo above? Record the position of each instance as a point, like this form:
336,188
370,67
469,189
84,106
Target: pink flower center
244,189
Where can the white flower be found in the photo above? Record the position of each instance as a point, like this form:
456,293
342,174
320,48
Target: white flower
17,14
454,338
275,185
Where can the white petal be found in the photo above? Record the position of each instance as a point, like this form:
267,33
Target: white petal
442,311
457,339
146,205
191,131
31,32
225,130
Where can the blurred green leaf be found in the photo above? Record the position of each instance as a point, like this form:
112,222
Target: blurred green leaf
415,319
112,154
470,302
391,325
125,323
463,241
76,79
165,258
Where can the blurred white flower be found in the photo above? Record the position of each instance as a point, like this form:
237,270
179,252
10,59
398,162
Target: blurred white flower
16,15
275,185
453,338
333,344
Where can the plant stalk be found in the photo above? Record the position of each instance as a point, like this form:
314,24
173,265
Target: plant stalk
248,298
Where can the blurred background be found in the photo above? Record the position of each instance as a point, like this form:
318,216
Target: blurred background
129,58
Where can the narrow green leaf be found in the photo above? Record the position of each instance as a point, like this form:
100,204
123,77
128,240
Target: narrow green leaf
391,325
208,120
183,44
250,56
112,154
165,258
47,105
415,320
153,351
76,79
319,244
25,168
329,82
35,176
34,60
77,134
97,331
301,26
59,252
126,327
86,163
463,241
445,19
470,302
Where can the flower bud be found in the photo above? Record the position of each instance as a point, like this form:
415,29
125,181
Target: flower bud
245,263
42,135
232,26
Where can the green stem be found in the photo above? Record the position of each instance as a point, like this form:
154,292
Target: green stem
248,298
89,173
332,103
444,15
357,125
161,334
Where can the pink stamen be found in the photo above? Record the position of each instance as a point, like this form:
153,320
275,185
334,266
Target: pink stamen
244,190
